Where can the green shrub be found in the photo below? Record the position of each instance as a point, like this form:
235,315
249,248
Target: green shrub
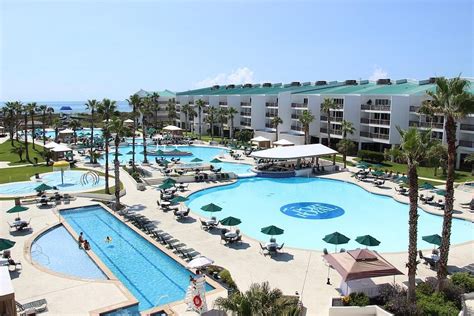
358,299
227,279
464,280
425,288
436,305
373,156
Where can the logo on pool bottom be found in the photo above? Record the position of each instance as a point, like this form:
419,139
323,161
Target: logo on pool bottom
312,210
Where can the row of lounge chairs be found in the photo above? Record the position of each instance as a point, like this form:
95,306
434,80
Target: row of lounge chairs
167,240
205,177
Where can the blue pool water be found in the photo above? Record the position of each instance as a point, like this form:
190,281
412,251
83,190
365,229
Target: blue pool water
260,202
72,183
149,274
57,251
204,153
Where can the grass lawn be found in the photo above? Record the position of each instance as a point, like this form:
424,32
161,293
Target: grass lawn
14,159
338,159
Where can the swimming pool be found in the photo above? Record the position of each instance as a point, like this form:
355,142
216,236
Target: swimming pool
57,251
204,153
72,183
149,274
310,208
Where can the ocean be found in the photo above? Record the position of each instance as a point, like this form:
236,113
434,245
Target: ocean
77,106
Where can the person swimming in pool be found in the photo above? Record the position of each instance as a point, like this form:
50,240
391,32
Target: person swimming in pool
108,239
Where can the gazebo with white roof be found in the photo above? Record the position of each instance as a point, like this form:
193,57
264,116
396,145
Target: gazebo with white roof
283,142
261,141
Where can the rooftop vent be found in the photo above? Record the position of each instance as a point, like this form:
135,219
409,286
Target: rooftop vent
307,83
230,86
295,84
364,82
248,85
321,83
267,84
277,84
215,87
400,81
350,82
383,81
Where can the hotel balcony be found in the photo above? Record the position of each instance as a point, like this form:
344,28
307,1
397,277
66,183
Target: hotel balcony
370,121
243,123
333,119
372,107
223,103
299,105
425,124
245,104
270,114
271,104
295,116
269,125
466,143
468,128
374,135
246,113
332,131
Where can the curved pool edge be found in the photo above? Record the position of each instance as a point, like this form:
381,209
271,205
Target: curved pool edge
216,185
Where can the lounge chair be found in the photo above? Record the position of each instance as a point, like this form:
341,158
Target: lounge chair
263,250
281,247
31,307
204,225
15,264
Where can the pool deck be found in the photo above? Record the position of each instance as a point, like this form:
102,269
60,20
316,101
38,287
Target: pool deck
295,270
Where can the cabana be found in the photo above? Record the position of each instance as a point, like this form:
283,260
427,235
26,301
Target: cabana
66,134
173,130
261,142
283,142
60,152
7,294
360,265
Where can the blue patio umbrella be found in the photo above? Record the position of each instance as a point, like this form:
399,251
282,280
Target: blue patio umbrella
65,108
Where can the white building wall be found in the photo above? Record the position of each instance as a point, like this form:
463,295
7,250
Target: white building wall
399,116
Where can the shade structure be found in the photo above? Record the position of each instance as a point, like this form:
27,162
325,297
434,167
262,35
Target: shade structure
367,240
294,152
65,108
433,239
6,244
283,142
259,139
178,199
159,152
17,209
427,186
230,221
51,145
61,164
215,160
362,165
172,128
165,186
43,187
212,208
272,230
196,160
336,238
169,180
128,121
200,262
360,264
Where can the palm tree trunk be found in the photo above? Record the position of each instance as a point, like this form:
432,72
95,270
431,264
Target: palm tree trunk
449,199
186,122
27,154
145,160
117,174
92,135
412,231
44,128
200,124
33,130
133,138
231,133
106,136
329,129
222,132
276,132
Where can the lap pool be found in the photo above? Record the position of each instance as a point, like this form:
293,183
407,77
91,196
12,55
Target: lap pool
150,275
310,208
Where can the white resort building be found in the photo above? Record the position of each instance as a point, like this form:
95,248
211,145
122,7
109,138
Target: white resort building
374,108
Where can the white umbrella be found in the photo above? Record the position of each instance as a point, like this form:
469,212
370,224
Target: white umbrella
172,128
128,121
200,262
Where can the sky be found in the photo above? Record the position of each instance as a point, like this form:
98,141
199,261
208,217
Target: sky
77,50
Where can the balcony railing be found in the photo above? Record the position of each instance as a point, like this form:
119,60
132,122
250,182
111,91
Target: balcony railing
374,135
243,123
295,116
425,124
467,127
414,108
297,128
245,104
332,131
332,118
222,103
299,105
373,107
271,114
364,120
271,104
246,113
466,143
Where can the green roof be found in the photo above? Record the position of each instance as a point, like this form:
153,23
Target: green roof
165,93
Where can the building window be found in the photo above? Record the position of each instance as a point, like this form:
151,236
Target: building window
382,102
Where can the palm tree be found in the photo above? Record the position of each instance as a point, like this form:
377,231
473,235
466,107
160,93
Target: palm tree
50,111
32,108
43,110
191,114
19,150
185,109
92,105
453,101
470,159
18,117
171,108
276,120
25,111
260,299
222,119
116,126
438,157
326,107
155,107
200,106
56,124
211,119
232,112
346,145
107,108
75,125
414,145
305,119
135,102
145,109
10,119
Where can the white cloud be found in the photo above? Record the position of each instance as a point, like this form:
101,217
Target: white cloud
378,73
239,76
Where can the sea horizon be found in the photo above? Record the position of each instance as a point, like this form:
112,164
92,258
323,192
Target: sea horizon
76,106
